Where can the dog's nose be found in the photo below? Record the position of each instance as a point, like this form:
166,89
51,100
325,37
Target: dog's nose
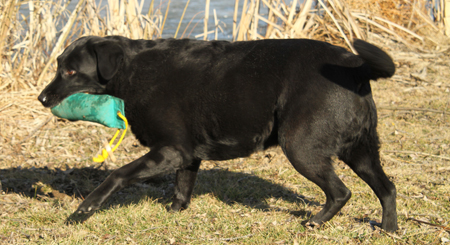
42,98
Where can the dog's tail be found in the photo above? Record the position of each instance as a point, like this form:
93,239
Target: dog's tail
380,63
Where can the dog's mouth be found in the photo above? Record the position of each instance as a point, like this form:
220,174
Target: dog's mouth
50,101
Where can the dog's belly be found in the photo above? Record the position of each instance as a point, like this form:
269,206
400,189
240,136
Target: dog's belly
235,145
226,149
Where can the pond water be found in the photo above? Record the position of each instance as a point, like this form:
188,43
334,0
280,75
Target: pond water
195,14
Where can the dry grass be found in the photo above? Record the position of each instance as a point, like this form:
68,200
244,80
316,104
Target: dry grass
339,21
46,167
31,41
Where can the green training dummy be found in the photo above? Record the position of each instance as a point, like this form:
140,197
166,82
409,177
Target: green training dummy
100,108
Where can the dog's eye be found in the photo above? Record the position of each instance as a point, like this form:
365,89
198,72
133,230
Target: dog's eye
70,72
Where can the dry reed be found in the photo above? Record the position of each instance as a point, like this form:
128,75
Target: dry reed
31,39
339,21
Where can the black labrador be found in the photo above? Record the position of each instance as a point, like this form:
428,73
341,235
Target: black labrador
191,100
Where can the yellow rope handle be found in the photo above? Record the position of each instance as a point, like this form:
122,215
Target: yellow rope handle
124,131
105,154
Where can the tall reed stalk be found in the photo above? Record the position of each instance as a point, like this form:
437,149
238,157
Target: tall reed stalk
445,15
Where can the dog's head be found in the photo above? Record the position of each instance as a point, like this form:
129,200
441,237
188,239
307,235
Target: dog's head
85,66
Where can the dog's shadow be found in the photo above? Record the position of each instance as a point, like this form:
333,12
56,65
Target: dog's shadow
225,185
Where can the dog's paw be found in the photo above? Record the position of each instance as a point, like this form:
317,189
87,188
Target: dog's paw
389,226
178,205
312,225
87,207
77,218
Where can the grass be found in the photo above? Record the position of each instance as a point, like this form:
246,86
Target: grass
46,168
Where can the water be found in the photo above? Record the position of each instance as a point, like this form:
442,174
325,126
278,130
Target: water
196,9
195,13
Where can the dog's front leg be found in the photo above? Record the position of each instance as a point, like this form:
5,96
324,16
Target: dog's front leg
184,185
157,161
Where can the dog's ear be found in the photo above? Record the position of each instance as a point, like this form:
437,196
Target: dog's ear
109,58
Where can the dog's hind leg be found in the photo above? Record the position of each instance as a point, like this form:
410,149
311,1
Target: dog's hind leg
184,184
157,161
364,160
311,157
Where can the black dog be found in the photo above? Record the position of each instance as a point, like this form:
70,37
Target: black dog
192,100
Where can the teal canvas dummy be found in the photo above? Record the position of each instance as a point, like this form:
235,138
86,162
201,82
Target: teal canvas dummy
99,108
